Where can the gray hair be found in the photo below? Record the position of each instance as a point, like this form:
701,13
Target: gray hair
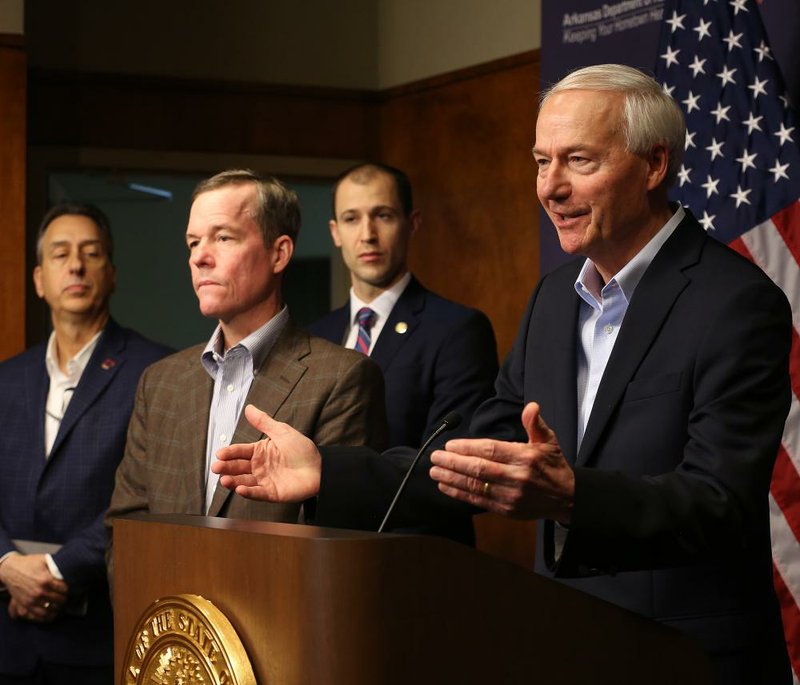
650,117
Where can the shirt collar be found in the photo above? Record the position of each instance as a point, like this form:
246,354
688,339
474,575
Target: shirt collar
258,344
381,305
589,284
75,366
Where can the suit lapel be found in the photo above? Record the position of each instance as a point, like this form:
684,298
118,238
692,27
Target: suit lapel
340,325
564,355
199,390
273,384
407,310
103,365
37,384
652,301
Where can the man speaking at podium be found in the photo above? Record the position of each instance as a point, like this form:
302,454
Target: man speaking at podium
652,382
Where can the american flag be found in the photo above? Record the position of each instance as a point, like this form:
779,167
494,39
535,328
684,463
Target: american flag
741,178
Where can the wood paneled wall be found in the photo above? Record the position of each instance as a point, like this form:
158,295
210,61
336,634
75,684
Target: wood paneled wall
12,195
465,141
160,113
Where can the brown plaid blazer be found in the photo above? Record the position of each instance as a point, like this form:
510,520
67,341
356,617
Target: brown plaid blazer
333,395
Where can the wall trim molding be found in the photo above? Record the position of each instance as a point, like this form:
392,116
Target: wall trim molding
12,40
521,59
158,82
49,77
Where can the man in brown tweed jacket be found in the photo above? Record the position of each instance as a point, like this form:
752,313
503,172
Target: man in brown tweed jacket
240,236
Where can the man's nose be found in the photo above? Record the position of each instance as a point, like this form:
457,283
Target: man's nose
367,230
553,183
77,264
201,254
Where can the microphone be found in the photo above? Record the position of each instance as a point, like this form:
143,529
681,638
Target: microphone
450,421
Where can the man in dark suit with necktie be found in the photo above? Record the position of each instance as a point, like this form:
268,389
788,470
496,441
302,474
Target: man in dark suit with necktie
436,355
64,409
651,378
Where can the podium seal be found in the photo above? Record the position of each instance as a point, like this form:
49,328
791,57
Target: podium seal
185,639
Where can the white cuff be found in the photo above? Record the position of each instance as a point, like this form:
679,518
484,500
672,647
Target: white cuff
51,565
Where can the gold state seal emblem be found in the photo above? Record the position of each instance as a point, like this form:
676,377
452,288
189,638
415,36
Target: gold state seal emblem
182,640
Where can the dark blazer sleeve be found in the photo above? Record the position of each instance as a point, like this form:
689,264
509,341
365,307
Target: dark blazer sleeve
357,486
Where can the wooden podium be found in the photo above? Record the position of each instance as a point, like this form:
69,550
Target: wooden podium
326,606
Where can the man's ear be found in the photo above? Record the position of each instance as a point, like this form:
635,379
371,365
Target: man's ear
282,251
657,163
416,220
37,281
334,229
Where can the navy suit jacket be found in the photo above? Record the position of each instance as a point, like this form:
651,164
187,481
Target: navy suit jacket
670,516
445,360
63,499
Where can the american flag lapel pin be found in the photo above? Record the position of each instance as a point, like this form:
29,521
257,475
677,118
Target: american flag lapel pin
107,364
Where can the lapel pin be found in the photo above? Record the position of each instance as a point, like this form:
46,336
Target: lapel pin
400,327
108,364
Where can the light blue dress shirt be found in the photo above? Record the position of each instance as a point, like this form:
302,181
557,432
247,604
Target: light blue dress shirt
602,313
233,371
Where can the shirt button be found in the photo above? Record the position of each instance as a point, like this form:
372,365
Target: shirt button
609,329
223,437
230,387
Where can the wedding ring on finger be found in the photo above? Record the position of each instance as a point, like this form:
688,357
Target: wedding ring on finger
46,605
487,486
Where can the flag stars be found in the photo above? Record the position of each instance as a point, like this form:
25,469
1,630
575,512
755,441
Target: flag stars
779,171
668,89
752,123
703,30
738,6
715,149
697,66
785,134
727,76
763,51
689,140
721,112
707,221
733,40
691,102
711,186
747,161
741,196
758,87
676,22
671,56
683,175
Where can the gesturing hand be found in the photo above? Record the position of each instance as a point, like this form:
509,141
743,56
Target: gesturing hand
521,480
282,467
